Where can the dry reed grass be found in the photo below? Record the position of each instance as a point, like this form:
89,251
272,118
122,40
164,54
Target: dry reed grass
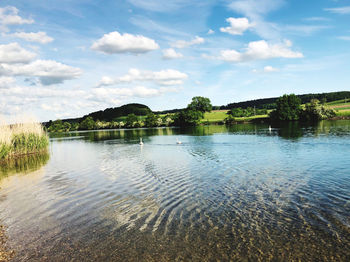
25,136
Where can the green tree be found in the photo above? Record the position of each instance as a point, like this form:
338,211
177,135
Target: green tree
288,108
131,119
66,126
201,104
87,124
151,120
314,111
56,126
188,117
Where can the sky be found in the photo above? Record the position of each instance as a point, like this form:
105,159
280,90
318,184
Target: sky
67,58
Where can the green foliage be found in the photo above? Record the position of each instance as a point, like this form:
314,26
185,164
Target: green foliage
131,120
188,117
28,143
201,104
270,103
87,124
229,120
151,120
314,112
239,112
25,143
194,112
110,114
59,126
167,120
288,108
74,127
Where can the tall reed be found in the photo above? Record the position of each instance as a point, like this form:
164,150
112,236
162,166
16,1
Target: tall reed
22,138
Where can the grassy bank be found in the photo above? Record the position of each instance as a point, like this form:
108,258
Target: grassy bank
22,139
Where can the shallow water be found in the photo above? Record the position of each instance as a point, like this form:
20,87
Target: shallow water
244,194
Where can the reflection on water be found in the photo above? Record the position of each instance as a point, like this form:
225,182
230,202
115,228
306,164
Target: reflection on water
241,193
24,164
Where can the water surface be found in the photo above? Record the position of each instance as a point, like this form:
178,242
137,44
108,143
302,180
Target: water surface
244,193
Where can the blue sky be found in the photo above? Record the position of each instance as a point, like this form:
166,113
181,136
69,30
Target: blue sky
66,58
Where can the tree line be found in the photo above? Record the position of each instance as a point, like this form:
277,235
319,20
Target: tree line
288,108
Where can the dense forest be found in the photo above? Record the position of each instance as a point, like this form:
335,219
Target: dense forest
270,103
110,114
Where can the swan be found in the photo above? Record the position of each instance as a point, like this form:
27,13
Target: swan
178,142
141,143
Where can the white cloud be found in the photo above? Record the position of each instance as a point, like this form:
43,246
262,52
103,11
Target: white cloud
270,69
166,77
115,42
14,53
316,19
339,10
256,10
259,50
303,29
6,82
40,92
39,37
49,71
55,107
182,43
9,16
171,54
116,95
237,26
345,38
210,32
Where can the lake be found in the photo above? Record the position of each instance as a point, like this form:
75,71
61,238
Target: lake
244,193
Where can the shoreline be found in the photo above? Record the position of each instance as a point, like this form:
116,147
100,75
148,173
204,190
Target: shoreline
6,254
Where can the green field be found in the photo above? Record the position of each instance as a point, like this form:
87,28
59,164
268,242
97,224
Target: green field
341,107
339,102
216,116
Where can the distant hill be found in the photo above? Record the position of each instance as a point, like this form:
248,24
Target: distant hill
270,103
112,113
141,110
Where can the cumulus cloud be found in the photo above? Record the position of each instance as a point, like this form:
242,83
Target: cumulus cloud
40,92
6,82
210,32
117,95
270,69
237,26
49,71
39,37
256,10
183,44
171,54
259,50
14,53
345,10
9,16
166,77
115,42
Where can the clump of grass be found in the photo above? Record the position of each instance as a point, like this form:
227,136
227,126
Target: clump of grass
22,139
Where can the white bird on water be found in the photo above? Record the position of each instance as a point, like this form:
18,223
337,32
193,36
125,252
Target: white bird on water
178,142
270,128
141,143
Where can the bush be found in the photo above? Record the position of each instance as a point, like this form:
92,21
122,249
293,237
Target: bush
288,108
